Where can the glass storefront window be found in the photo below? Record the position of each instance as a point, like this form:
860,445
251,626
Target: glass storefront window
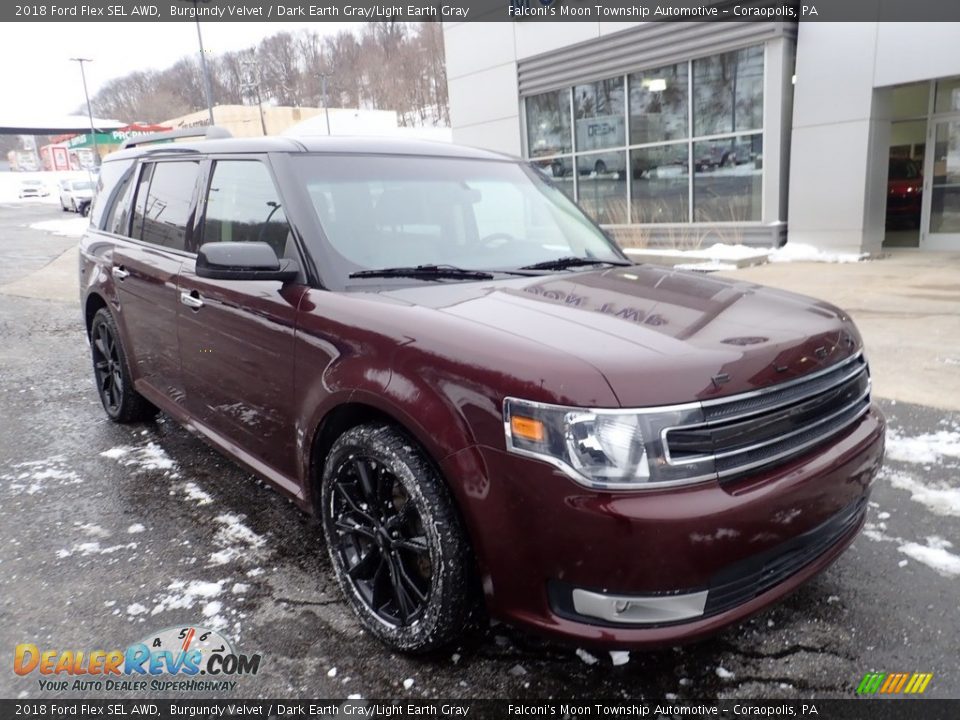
660,189
658,104
602,181
599,111
728,92
560,171
548,124
728,179
695,133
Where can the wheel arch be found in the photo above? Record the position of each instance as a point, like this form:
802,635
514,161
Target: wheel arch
91,306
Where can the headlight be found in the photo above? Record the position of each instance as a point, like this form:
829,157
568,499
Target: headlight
603,448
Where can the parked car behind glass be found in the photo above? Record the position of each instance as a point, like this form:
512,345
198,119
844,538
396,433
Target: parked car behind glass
489,408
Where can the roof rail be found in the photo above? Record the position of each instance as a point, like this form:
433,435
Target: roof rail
211,132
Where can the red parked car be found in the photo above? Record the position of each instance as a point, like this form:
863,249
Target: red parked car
904,193
486,404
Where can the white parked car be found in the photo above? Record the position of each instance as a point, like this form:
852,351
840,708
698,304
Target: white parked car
76,195
32,189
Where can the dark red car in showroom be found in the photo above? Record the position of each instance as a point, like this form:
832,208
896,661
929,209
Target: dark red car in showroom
489,407
904,193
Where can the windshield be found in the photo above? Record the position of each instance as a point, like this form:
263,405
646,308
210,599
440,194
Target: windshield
402,211
83,185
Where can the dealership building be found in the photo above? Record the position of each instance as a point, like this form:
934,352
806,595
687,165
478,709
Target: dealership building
845,136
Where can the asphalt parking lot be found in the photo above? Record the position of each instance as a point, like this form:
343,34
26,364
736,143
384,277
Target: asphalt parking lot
109,533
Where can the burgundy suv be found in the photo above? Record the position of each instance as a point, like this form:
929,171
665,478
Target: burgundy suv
485,402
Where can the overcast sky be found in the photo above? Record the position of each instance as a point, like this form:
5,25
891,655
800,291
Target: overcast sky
37,77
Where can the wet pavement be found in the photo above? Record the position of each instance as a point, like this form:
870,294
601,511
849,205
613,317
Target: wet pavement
111,533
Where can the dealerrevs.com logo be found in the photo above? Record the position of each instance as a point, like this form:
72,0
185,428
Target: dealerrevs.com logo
176,659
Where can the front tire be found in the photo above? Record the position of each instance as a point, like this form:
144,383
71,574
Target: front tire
396,543
111,370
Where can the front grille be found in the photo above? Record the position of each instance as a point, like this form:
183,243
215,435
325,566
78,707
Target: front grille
745,580
758,429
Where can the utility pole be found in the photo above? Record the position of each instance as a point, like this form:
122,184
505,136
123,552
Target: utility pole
252,82
203,60
326,109
86,95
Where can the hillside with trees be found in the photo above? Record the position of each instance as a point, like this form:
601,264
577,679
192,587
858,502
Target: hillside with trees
382,66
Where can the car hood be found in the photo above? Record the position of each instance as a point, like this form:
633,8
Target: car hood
658,335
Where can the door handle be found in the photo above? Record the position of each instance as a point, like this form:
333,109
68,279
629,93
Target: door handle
191,300
120,273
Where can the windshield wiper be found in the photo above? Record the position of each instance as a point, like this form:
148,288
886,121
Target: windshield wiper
428,272
562,263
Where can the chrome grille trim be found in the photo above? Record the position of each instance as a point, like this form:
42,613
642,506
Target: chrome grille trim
852,374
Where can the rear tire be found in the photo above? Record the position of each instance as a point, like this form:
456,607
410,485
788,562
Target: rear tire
111,371
398,549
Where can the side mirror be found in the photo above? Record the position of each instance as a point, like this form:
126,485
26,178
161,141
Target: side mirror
243,261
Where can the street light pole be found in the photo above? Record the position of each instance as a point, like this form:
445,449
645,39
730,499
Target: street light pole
203,61
86,95
326,108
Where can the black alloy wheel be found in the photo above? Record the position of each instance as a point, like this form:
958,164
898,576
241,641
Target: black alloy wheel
114,382
395,540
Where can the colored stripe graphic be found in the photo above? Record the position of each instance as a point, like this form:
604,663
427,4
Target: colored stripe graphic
894,683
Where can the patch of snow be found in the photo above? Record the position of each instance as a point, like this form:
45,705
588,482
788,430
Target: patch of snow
212,608
902,563
332,672
355,696
236,539
586,657
94,530
883,516
801,252
31,477
182,595
136,609
74,227
135,528
925,448
723,673
620,657
193,492
93,548
144,457
934,555
940,498
239,588
408,683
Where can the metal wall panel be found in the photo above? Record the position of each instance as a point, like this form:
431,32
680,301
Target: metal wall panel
646,46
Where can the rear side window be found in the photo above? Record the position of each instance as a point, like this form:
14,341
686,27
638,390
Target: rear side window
113,181
243,206
167,204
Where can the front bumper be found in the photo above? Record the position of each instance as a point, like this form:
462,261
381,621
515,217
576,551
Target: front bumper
679,564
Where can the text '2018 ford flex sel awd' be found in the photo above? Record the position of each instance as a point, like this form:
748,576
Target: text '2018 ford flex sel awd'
487,405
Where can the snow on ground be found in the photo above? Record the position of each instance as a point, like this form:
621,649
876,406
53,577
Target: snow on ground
800,252
144,457
32,477
68,227
934,555
195,493
237,540
924,449
940,499
12,182
723,256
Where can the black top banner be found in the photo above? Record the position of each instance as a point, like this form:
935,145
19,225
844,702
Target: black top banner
483,10
853,709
